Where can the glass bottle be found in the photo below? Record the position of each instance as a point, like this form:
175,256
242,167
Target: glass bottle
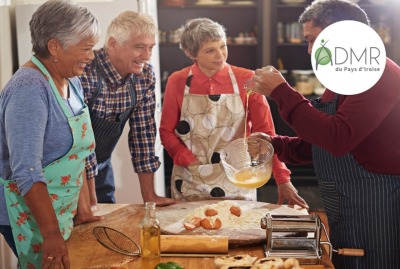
150,237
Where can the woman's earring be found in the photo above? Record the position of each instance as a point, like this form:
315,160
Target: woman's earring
55,60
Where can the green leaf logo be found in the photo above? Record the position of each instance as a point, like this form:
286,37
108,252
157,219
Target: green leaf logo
323,55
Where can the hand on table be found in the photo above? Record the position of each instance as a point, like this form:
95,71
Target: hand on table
162,201
85,216
288,192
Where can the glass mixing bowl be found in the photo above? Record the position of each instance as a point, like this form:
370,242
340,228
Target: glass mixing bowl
248,162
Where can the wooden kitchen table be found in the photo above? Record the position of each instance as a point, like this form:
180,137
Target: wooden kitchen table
86,253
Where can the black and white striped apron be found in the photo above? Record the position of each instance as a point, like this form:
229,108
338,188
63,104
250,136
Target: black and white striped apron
363,207
107,134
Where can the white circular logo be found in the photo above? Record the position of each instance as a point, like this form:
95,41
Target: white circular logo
348,57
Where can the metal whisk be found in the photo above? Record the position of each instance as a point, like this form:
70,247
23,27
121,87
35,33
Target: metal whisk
116,241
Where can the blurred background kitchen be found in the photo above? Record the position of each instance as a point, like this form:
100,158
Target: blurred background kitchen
260,33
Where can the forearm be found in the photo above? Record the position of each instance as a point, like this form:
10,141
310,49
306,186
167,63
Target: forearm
38,201
292,150
53,245
84,195
171,143
142,137
85,202
148,193
170,118
353,121
280,171
183,157
147,186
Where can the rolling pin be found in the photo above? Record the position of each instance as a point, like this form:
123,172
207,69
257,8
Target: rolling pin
194,244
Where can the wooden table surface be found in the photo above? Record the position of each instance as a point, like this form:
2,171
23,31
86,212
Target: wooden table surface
86,253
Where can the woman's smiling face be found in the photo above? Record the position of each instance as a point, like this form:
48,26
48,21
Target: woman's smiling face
73,60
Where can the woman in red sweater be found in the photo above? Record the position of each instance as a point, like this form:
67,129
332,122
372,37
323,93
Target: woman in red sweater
204,109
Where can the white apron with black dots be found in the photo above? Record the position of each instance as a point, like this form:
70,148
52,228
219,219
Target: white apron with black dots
207,124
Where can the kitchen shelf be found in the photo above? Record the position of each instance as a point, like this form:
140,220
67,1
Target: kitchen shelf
385,14
294,55
237,19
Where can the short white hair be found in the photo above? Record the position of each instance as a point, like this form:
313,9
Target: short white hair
130,23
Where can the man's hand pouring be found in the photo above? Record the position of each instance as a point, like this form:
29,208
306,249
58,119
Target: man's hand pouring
267,79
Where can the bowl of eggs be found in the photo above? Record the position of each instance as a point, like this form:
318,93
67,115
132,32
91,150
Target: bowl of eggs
248,162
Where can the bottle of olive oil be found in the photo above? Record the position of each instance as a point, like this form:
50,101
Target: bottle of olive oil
150,237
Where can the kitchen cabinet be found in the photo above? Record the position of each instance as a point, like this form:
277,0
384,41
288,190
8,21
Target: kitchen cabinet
288,49
242,21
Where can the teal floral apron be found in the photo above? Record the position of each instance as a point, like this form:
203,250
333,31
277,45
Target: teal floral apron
64,181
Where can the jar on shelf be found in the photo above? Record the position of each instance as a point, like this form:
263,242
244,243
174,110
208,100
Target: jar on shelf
304,81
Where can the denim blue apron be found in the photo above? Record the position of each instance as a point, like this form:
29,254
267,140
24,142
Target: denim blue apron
107,134
363,207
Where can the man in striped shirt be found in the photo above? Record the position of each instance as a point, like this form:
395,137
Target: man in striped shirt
119,87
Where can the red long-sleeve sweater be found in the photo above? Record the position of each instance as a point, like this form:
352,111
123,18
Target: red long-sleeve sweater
365,125
259,118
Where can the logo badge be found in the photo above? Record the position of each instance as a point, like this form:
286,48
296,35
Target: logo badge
348,57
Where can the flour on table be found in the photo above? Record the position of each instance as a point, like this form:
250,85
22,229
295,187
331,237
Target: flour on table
249,219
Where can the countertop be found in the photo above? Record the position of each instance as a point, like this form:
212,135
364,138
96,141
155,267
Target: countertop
86,252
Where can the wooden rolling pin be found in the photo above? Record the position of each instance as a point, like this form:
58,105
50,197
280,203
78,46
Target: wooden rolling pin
194,244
